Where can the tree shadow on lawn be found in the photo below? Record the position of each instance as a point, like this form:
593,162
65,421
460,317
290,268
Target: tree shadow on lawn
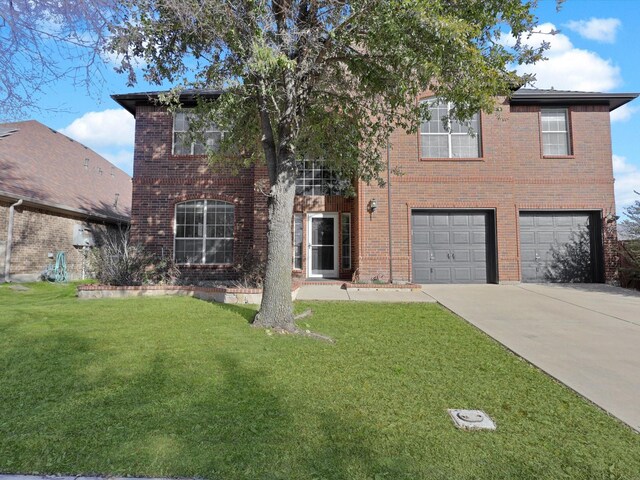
66,408
71,405
246,312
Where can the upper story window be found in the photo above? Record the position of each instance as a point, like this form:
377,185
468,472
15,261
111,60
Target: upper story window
183,144
315,178
555,132
204,232
448,138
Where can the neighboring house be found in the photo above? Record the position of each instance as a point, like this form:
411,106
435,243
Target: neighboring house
529,197
68,192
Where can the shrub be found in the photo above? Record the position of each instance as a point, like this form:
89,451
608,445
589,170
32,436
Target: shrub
250,271
119,262
630,248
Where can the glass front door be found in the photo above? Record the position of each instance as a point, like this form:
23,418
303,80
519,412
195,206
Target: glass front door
322,253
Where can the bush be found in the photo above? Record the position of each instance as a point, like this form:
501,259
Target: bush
250,271
119,262
630,248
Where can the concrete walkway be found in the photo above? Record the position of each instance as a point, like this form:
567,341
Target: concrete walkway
335,292
586,336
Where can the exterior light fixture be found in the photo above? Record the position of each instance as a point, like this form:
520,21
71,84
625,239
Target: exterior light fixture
372,206
610,218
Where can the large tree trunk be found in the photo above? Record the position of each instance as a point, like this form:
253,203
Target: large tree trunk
276,309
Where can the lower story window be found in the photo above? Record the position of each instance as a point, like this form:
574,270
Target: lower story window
297,241
204,232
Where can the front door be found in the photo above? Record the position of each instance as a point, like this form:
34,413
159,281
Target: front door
322,252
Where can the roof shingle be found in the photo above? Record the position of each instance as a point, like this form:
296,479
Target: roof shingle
46,167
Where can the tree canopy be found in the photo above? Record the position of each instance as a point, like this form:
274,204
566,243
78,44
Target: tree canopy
45,41
324,79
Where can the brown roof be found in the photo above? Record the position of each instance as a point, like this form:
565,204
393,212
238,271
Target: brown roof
44,167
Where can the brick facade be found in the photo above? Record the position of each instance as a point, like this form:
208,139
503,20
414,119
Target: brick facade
511,176
38,233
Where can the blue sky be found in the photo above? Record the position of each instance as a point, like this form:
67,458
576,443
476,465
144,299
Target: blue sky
596,50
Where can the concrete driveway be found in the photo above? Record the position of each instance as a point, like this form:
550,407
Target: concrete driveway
586,336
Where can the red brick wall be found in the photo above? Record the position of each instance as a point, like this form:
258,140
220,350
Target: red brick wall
36,233
161,180
511,175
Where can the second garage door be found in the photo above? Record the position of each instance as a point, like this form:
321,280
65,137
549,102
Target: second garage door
449,247
558,247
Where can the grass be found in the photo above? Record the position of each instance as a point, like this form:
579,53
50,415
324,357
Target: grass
181,387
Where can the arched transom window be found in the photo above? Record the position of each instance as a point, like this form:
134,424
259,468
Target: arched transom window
204,232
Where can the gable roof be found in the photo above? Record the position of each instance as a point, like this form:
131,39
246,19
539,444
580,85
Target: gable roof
48,169
534,96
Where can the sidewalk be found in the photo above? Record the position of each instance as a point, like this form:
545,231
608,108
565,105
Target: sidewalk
335,292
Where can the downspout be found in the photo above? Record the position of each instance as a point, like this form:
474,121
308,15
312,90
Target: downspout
389,204
7,256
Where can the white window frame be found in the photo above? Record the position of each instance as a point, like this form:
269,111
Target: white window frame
345,218
316,179
187,113
297,219
477,134
566,131
204,236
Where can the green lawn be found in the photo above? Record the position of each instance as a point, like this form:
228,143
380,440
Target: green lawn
181,387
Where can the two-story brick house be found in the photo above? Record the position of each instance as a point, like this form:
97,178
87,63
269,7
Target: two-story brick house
524,194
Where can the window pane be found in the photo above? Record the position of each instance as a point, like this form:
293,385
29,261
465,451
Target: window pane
191,226
314,178
555,144
213,139
437,136
190,219
297,241
555,131
188,251
346,241
181,144
219,251
198,148
462,127
219,243
180,122
435,124
554,120
435,146
464,146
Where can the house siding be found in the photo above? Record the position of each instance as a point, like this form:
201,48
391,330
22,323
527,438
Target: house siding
38,233
512,175
161,180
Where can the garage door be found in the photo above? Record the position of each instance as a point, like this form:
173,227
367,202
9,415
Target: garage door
556,247
449,247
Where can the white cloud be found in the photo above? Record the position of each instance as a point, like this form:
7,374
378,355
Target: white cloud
108,128
599,29
627,177
568,67
120,158
623,113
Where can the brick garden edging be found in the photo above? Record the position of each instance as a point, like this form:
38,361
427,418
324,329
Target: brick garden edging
215,294
398,287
